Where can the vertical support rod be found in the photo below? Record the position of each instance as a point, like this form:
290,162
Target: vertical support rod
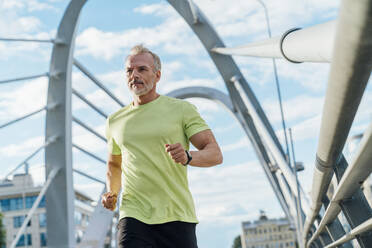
298,198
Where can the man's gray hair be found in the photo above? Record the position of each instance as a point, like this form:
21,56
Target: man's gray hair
139,49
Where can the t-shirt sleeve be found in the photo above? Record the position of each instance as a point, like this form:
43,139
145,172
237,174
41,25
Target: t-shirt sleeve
112,147
192,121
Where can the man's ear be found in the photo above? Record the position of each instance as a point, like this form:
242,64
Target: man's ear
158,75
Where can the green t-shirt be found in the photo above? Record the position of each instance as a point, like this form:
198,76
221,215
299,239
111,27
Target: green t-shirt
154,188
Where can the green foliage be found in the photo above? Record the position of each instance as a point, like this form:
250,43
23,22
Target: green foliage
237,242
2,232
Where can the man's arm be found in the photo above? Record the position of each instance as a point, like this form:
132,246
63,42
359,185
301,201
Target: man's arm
113,181
208,154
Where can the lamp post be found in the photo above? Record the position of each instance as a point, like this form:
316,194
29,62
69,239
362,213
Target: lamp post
299,217
276,81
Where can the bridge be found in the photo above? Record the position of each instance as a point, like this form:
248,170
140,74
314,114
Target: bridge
336,193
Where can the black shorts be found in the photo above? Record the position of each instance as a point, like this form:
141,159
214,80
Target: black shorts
133,233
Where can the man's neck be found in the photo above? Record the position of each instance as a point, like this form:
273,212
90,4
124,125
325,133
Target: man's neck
140,100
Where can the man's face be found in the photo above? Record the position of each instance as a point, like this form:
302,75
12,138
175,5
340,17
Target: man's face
141,75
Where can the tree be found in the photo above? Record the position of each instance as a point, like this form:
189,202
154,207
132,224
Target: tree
2,232
237,242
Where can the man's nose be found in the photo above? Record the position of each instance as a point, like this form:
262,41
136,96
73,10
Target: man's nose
135,74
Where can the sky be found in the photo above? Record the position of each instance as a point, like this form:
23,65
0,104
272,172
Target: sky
224,195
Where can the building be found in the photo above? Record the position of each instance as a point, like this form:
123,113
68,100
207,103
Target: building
267,233
17,197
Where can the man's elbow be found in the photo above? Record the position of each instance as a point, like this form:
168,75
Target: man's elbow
220,158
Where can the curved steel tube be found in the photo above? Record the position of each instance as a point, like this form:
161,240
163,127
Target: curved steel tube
58,155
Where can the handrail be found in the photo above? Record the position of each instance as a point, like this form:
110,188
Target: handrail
364,227
352,50
355,173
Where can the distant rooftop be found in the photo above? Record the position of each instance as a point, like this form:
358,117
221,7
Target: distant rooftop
263,220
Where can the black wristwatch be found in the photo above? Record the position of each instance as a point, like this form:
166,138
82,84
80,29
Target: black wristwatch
189,158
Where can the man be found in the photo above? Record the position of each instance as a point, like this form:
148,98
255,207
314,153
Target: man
148,142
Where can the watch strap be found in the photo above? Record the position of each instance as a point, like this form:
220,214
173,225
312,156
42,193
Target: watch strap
189,157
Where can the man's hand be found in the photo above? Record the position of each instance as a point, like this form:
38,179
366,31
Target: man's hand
109,200
177,152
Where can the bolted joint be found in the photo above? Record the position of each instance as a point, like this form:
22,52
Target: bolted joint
52,106
55,74
59,41
235,79
52,139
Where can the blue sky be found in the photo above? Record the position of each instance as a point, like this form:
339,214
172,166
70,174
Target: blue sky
224,195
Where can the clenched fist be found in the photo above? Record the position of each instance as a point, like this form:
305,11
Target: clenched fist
109,200
177,153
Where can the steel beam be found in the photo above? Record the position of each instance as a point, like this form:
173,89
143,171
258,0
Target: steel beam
49,179
27,40
204,92
47,143
24,78
90,104
97,82
60,195
225,64
312,44
23,117
350,70
88,176
267,137
89,153
91,130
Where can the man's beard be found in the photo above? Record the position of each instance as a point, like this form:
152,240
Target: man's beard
143,90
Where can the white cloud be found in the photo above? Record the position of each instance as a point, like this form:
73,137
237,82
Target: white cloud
25,148
241,143
38,173
299,107
225,193
24,99
204,105
224,129
158,9
173,36
28,5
